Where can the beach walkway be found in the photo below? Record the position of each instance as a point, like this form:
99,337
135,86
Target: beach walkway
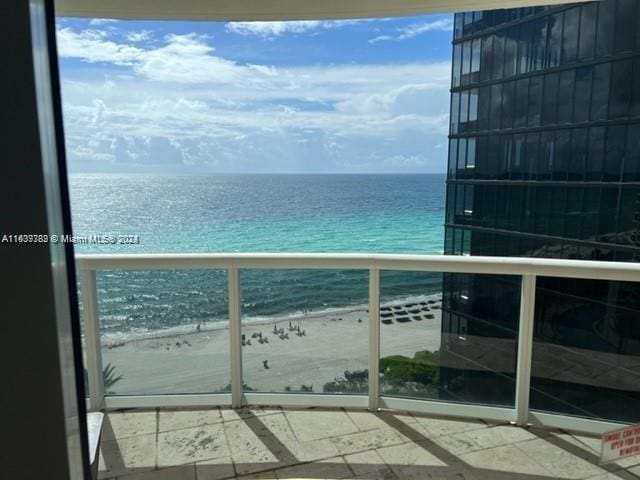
216,444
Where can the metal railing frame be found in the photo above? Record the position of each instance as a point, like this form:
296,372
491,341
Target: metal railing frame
527,268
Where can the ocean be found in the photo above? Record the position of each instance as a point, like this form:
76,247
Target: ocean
252,213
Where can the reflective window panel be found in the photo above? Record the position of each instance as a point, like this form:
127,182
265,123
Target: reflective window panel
305,331
449,337
164,331
586,349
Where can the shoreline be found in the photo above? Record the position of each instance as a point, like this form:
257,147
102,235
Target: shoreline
212,325
308,351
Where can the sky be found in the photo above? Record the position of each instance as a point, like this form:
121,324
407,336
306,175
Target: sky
346,96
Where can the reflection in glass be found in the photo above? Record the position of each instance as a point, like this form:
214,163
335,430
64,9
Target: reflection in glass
586,349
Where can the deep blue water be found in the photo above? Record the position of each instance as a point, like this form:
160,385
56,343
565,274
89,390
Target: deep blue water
253,213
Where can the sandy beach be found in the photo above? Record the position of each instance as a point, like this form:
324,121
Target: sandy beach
333,342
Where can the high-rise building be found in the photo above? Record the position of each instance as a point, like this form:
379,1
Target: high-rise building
544,161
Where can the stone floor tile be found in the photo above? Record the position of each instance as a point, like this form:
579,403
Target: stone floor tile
229,415
368,462
559,462
248,451
504,462
480,439
372,439
129,424
331,468
128,455
414,461
259,476
188,445
437,426
177,419
316,424
182,472
215,469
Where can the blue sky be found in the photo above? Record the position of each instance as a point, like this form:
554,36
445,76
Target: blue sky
350,96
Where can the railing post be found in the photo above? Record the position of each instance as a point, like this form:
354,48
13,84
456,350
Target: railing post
235,336
374,339
525,346
92,345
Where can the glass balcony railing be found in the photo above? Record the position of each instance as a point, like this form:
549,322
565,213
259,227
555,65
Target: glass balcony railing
452,335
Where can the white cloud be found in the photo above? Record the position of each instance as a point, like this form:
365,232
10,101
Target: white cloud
101,21
139,36
181,104
416,29
275,29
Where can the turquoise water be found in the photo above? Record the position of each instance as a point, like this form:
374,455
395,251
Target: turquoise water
252,213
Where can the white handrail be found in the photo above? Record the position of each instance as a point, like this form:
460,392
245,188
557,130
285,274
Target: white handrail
527,268
546,267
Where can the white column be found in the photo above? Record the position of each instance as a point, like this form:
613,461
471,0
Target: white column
525,346
374,338
92,345
235,336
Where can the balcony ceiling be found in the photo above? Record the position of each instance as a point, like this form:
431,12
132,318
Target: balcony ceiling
247,10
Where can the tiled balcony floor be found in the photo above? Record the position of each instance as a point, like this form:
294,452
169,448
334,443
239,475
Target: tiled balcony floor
214,444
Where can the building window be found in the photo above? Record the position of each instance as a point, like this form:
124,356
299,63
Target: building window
587,31
605,28
570,35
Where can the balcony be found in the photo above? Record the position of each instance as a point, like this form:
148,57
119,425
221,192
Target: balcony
183,422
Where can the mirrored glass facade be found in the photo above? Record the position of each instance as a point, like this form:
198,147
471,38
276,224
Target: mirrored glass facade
544,161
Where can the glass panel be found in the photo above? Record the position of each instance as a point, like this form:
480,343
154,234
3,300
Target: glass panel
535,101
305,331
557,218
466,62
453,156
475,56
457,22
462,157
635,92
577,164
554,41
464,109
583,94
625,26
596,151
410,333
605,28
508,104
525,46
461,348
485,62
573,212
496,103
471,153
620,89
483,108
585,349
521,100
600,97
632,158
457,63
550,99
497,60
590,213
563,154
473,105
614,151
565,96
539,43
455,112
164,331
587,31
511,51
532,153
570,35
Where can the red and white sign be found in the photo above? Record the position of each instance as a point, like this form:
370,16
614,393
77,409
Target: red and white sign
620,443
